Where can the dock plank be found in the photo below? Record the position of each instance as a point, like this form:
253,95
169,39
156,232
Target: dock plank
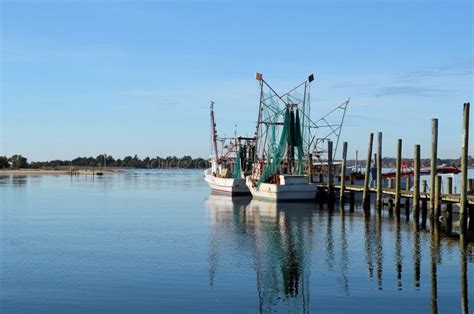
450,198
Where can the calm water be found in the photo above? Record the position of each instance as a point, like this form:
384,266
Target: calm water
156,241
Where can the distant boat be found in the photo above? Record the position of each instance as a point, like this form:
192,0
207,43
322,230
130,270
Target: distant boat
424,170
228,169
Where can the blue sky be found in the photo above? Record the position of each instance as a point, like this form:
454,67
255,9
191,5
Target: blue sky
81,78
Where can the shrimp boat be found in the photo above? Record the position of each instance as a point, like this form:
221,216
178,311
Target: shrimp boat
283,126
230,163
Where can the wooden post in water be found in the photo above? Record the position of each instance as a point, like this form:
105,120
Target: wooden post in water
330,174
465,148
424,202
434,160
407,183
470,185
366,194
390,185
343,172
437,200
416,184
379,170
449,206
398,175
351,195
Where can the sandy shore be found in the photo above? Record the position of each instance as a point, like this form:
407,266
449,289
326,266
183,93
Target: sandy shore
39,172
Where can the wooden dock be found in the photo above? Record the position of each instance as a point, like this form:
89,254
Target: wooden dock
433,198
448,198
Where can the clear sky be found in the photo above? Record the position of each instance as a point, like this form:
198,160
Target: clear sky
80,78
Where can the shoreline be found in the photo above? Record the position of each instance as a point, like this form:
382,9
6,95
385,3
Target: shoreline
39,172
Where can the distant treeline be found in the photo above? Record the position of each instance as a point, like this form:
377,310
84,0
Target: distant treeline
187,162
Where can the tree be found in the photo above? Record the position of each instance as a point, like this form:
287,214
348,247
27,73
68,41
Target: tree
18,161
4,162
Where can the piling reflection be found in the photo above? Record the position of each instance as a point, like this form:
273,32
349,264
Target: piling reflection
281,239
416,255
379,249
344,255
464,256
398,252
434,249
368,245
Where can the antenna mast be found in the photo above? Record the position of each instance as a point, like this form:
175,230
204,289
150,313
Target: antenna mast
214,131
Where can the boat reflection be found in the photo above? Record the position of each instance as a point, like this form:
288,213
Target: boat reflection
280,237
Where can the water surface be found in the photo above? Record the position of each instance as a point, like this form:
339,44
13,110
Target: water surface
157,241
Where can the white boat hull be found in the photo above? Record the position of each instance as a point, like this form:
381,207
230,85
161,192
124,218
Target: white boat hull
226,185
283,192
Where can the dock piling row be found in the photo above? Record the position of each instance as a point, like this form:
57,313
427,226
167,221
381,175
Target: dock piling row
424,196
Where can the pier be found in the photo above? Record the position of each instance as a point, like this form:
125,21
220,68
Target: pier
432,198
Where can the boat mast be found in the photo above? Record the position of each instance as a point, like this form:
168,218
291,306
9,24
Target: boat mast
258,77
214,132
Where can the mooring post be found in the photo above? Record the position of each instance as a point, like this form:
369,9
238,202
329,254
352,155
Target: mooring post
416,184
352,195
449,206
424,203
330,175
398,175
379,170
464,160
434,160
407,183
389,185
437,203
470,185
366,194
343,172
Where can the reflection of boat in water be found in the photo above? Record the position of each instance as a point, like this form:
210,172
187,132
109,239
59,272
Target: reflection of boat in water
279,236
228,169
218,203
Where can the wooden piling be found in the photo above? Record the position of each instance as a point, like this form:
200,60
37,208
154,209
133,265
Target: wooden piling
366,195
424,203
351,195
434,160
449,206
343,171
407,183
398,175
470,185
464,160
437,200
330,174
389,181
379,170
416,184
